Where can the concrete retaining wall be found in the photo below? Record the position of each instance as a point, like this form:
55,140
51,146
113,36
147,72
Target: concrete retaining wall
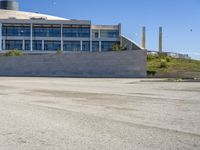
131,63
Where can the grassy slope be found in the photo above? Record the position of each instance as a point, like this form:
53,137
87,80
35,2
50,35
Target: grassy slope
174,67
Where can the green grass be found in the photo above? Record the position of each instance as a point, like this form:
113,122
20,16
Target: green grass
162,66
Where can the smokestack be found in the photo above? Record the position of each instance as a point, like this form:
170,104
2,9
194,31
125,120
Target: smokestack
144,37
9,5
160,40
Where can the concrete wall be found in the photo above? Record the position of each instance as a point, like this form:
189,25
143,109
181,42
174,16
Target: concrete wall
129,44
131,63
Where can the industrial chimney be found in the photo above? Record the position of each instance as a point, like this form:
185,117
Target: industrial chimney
160,40
9,5
144,37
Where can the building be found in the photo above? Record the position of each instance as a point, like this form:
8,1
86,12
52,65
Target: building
35,32
171,54
86,48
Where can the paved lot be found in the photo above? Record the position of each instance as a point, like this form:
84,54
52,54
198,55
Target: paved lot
98,114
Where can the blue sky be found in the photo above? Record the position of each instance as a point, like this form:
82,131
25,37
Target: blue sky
177,17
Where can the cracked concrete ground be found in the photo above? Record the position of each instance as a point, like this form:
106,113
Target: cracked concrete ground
98,114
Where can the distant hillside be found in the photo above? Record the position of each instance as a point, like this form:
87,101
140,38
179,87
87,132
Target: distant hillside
165,66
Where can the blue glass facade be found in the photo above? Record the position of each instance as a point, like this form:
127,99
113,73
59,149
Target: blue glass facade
27,45
16,30
105,34
73,37
107,45
37,45
76,31
109,33
46,31
52,45
14,44
95,46
71,46
86,46
95,33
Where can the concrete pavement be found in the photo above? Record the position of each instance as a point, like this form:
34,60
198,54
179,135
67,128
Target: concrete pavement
98,114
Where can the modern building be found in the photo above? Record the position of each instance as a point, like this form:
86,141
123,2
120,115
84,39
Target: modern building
36,32
84,46
171,54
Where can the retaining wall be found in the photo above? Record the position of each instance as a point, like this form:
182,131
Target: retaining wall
130,63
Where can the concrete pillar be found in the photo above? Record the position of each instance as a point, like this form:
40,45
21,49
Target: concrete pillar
90,38
4,44
31,37
23,45
160,40
120,33
61,46
1,36
81,44
144,37
99,46
99,33
43,45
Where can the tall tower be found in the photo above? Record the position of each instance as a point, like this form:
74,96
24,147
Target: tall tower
144,37
9,5
160,40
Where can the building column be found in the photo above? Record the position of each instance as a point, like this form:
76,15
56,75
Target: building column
81,44
99,33
31,38
61,44
23,45
4,44
99,46
42,45
90,38
120,33
1,36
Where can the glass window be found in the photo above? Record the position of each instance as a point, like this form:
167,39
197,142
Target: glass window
14,44
76,31
109,33
95,46
37,45
16,30
27,45
52,45
46,31
95,34
71,46
107,45
86,46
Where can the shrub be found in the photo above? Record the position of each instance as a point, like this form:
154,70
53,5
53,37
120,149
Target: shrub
168,59
118,47
58,51
151,73
163,64
14,53
151,57
162,56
